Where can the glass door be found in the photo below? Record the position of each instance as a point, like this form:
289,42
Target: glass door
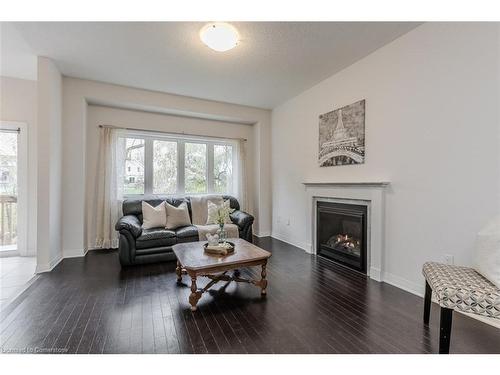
9,189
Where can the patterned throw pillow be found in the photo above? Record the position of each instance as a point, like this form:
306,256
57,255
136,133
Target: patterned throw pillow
153,217
212,212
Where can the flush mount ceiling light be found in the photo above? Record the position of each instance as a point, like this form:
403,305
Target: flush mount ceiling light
219,36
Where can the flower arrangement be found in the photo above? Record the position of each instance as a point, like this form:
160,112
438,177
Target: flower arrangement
222,215
221,218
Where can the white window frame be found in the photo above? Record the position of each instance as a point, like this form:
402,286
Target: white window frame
150,137
22,186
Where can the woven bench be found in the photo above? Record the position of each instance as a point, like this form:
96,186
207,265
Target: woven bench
457,288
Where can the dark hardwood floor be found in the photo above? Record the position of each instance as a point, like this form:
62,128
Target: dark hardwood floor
91,305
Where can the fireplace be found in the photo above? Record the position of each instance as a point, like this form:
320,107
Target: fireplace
341,233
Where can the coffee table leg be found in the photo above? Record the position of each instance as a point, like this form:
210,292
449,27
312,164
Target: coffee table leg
195,293
178,271
263,281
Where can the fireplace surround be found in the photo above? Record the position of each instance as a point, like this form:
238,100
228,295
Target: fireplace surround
369,194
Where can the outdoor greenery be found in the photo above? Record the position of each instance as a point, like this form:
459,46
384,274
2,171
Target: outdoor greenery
8,163
223,168
134,166
8,188
165,167
195,168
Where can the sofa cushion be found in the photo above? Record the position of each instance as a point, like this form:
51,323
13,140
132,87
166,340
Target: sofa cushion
152,251
155,237
187,234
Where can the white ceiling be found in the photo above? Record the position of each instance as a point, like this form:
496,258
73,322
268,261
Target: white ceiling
16,56
273,62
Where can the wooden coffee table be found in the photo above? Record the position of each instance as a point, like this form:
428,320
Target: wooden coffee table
192,260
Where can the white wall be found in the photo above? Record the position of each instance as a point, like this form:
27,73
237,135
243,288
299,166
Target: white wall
18,102
49,189
100,115
78,93
432,129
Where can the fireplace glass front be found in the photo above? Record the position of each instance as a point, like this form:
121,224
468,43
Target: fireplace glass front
341,233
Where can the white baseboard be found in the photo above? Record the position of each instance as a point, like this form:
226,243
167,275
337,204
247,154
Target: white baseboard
262,234
402,283
375,274
47,267
74,253
301,245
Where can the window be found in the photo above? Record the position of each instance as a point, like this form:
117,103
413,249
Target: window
168,165
134,157
223,168
195,164
5,176
164,167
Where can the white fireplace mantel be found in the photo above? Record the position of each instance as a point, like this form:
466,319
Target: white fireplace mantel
360,183
369,193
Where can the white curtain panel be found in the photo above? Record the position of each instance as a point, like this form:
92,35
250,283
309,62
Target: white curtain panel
241,174
109,192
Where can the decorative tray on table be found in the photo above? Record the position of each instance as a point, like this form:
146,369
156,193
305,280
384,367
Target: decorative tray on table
220,249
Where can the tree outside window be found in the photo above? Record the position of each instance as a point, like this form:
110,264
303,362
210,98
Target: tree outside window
134,165
195,167
164,167
170,165
223,168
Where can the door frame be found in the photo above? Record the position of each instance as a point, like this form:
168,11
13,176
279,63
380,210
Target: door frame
22,186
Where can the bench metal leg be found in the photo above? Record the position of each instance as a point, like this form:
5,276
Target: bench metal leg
427,302
445,330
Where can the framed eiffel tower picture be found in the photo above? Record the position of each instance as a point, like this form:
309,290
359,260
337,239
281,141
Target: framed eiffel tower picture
342,136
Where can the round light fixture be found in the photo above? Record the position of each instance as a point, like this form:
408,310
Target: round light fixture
219,36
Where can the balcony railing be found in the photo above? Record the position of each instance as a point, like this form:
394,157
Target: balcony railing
8,220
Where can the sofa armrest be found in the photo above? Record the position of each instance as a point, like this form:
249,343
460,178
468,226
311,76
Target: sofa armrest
131,224
241,219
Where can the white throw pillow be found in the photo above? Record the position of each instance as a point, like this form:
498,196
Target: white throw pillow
487,257
212,212
177,216
153,217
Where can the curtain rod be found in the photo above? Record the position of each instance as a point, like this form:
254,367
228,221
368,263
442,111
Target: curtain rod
173,133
